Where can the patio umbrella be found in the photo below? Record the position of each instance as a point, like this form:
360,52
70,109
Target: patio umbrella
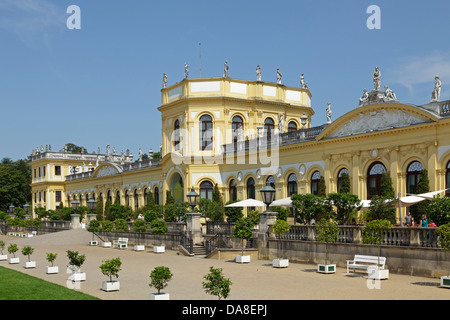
286,202
430,195
247,203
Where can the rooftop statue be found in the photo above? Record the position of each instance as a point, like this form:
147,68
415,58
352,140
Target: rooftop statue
225,70
279,75
258,73
302,81
329,113
436,95
389,95
377,79
164,81
186,71
364,98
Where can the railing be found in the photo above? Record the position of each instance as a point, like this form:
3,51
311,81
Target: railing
216,242
187,242
217,227
444,108
397,236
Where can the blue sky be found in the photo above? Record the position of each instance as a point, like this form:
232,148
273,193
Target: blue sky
101,85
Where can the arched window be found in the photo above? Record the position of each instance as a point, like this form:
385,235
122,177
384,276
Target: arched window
315,179
292,184
177,187
206,190
145,196
136,200
127,198
292,126
447,180
156,195
251,188
235,125
413,176
206,132
269,126
233,190
342,176
375,172
176,136
93,195
117,197
109,196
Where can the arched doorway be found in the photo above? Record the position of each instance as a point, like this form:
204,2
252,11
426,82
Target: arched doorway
177,187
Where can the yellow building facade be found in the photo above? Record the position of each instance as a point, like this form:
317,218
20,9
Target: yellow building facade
240,134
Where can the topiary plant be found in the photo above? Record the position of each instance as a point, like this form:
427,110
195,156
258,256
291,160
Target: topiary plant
216,284
111,268
12,249
327,231
27,251
160,277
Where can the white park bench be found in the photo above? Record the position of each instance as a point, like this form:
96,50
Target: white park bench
121,243
364,262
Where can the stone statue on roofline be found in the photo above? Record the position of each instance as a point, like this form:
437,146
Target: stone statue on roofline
258,73
329,113
164,81
225,70
364,98
377,79
186,71
436,94
389,95
279,75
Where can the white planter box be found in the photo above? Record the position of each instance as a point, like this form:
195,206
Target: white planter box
139,247
29,264
3,257
77,276
93,243
445,281
280,263
242,259
159,249
106,244
160,296
14,260
326,268
375,273
110,285
53,269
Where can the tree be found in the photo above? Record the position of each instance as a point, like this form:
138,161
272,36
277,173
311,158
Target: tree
160,277
345,183
233,213
27,251
321,188
15,180
439,210
310,207
75,260
347,206
327,231
381,208
386,186
94,226
216,284
243,229
373,233
118,211
111,268
169,198
423,186
443,232
75,149
51,257
12,249
158,227
120,225
139,226
280,227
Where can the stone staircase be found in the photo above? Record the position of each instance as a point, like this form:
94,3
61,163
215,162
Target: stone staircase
199,250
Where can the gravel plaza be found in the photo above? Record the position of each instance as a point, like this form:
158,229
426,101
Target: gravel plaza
257,280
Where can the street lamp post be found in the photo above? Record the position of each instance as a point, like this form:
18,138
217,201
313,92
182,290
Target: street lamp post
11,209
192,198
268,195
193,226
75,216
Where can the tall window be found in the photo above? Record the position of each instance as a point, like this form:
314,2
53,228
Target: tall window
109,196
127,198
206,190
118,197
375,172
447,180
269,126
235,125
206,132
292,126
315,179
233,190
251,188
292,184
341,173
156,195
136,200
145,196
413,176
176,136
57,196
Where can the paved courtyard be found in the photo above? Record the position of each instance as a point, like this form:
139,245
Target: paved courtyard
257,280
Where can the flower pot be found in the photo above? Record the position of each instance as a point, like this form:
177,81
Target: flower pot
3,257
77,276
29,264
159,296
326,268
159,249
242,259
139,247
93,243
445,282
50,269
14,260
280,263
110,285
106,244
375,273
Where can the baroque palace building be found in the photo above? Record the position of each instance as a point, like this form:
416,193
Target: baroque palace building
242,134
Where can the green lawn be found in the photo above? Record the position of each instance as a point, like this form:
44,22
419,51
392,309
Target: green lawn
15,285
